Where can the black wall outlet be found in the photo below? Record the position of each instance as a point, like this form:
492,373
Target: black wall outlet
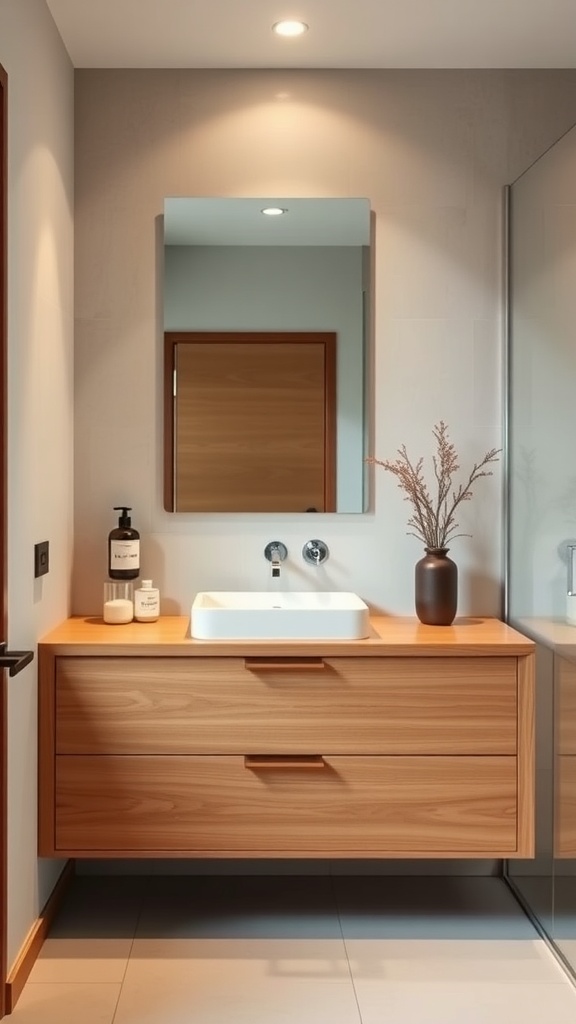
41,558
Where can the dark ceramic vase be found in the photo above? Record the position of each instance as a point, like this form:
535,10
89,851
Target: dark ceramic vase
436,588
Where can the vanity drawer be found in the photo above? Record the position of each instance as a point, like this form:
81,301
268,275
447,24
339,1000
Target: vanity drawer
396,705
336,806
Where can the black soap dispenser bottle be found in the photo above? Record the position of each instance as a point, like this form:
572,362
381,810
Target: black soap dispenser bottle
123,548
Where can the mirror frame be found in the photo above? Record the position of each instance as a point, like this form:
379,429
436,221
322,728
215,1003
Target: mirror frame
202,222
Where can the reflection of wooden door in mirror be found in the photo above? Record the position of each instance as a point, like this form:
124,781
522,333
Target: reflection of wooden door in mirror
250,421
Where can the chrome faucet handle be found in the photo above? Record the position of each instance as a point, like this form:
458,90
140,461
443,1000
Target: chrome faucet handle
315,552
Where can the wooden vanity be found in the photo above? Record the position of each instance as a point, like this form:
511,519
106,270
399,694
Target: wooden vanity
416,742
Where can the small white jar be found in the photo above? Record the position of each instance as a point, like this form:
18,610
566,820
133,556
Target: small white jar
146,602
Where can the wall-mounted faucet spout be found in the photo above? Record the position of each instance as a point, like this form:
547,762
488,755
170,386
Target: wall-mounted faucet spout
276,553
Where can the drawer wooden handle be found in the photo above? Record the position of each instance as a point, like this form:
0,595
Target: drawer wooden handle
284,664
265,762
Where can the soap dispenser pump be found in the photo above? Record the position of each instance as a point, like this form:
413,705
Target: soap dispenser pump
123,548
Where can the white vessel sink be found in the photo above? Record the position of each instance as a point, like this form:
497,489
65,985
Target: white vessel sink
251,615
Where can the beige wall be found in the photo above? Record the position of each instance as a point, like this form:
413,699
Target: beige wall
40,400
432,150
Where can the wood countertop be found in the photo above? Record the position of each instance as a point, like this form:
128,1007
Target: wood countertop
390,636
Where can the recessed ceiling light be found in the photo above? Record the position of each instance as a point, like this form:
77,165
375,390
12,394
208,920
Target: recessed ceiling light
274,211
290,28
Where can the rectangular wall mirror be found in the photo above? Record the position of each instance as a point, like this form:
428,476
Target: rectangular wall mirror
265,320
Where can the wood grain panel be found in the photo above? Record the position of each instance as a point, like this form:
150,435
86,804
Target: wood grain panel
526,757
254,422
407,690
565,759
565,807
365,806
217,706
565,709
390,636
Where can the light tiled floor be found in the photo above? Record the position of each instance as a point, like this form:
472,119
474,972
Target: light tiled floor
294,950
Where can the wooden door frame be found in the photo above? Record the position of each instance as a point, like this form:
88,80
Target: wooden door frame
3,545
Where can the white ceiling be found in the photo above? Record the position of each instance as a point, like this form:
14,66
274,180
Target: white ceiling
342,33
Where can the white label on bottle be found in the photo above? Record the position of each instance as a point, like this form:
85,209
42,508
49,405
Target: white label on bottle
147,603
124,554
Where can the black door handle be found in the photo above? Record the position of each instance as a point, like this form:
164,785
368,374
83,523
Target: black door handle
14,661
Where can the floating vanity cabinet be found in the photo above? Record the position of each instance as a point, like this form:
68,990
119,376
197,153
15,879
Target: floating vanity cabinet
415,742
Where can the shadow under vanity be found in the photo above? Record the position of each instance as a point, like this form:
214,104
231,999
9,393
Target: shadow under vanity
415,742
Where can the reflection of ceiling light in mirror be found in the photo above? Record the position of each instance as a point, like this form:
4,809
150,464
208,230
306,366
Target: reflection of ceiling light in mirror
289,28
273,211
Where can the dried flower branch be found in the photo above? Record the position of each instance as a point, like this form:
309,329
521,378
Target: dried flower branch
433,519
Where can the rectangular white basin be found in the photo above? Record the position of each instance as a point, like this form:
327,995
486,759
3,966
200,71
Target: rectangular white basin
252,615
